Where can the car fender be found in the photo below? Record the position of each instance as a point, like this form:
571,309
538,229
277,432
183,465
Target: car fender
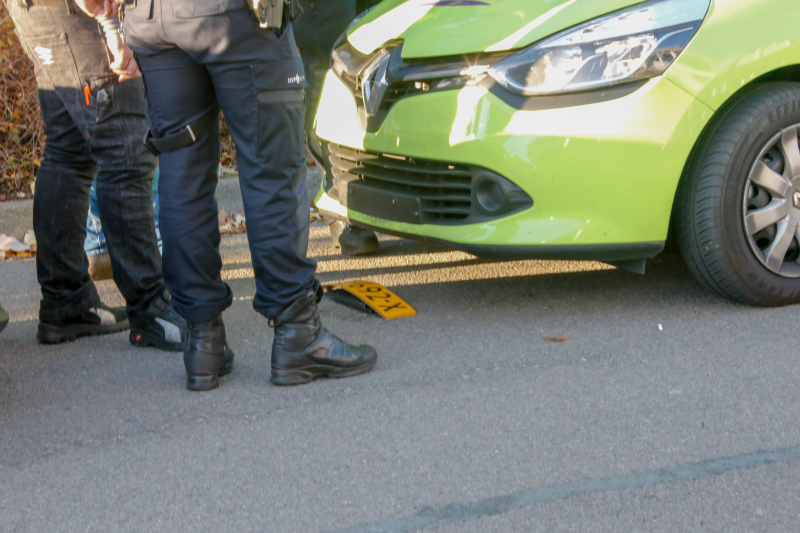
732,48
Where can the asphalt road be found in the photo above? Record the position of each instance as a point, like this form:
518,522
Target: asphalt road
470,422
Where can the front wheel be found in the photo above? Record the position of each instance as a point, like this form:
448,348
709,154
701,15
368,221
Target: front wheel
738,205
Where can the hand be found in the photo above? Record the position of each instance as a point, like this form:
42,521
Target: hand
124,64
98,8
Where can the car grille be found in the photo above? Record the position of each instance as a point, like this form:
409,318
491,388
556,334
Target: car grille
444,190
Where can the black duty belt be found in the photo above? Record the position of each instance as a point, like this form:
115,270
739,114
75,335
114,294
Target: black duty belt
184,137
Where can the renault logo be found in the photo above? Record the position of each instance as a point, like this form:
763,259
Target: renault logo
375,84
796,199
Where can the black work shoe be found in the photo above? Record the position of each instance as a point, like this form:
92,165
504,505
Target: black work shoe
304,350
100,320
160,327
353,240
3,319
208,356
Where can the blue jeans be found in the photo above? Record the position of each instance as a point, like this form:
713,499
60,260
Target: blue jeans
100,139
95,243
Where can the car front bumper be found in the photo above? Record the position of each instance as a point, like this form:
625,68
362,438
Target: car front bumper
602,176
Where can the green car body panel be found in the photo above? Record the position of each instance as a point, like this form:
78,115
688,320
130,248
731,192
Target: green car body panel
740,41
431,31
603,173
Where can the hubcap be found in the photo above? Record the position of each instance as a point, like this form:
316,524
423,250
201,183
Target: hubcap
772,204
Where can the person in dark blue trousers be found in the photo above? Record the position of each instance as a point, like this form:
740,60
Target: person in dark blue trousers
197,57
94,123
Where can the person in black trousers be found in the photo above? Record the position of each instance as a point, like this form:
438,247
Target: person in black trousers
94,123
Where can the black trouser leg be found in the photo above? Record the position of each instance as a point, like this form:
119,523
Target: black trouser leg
59,215
125,203
125,195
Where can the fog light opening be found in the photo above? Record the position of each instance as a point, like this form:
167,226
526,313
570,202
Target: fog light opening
490,194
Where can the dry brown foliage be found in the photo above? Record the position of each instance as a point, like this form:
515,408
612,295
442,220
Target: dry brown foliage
21,127
228,156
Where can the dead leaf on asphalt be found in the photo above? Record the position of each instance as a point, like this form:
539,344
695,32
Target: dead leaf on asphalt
548,338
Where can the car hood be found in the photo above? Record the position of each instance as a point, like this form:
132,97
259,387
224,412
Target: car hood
431,28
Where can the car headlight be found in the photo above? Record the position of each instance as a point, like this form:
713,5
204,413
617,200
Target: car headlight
638,42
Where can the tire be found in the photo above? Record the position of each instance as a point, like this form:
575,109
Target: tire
722,185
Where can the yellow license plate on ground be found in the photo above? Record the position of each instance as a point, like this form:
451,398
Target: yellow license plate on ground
380,299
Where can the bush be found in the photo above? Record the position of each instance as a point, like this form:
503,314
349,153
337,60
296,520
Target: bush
21,128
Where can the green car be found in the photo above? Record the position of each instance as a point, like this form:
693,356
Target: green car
576,129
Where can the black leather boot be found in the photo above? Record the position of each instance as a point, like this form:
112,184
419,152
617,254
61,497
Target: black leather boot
208,356
304,350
